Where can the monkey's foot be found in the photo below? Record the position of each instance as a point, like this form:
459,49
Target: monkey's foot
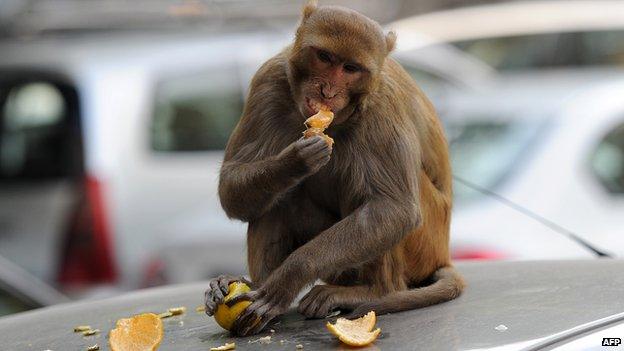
322,299
264,308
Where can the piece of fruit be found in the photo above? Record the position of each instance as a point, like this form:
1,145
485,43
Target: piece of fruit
317,124
176,311
226,347
143,332
225,316
357,332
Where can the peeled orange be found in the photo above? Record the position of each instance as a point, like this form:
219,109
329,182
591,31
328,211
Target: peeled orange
357,332
225,316
143,332
317,124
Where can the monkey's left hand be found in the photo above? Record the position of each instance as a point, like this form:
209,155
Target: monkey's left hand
269,301
267,304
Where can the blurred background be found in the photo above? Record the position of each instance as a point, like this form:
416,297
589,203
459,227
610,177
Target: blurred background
114,115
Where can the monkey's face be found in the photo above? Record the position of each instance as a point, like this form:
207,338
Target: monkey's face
329,80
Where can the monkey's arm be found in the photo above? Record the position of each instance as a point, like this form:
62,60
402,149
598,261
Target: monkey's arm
370,230
249,189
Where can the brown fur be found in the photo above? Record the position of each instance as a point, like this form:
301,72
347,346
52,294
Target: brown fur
370,217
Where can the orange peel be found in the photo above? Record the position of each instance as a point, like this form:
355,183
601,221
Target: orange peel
143,332
357,332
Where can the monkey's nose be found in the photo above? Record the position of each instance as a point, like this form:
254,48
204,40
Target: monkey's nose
327,92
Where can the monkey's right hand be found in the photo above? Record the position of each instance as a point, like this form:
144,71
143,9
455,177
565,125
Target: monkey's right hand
219,287
313,153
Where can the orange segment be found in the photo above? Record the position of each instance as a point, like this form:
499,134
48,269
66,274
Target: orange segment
321,119
225,316
317,124
357,332
143,332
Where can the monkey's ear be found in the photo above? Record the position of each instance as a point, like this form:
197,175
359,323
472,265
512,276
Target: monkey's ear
391,38
309,9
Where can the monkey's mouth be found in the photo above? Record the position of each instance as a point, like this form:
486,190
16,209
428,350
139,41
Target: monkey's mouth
313,106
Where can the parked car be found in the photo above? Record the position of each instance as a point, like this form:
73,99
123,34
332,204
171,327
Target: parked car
526,34
111,146
553,305
551,143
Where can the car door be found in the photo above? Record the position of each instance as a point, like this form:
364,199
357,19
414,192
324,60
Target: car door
605,184
170,198
40,167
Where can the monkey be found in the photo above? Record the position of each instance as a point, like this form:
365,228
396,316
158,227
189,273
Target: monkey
369,217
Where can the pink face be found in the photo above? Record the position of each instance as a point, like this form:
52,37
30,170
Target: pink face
331,80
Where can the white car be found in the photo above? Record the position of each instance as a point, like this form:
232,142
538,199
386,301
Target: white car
525,34
545,151
111,148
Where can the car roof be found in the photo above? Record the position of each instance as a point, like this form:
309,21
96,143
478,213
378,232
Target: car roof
536,94
534,301
513,18
150,50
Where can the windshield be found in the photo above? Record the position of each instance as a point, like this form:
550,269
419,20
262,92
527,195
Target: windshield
549,49
485,151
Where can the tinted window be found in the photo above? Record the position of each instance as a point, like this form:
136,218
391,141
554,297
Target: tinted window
607,161
197,112
549,49
9,304
38,131
486,151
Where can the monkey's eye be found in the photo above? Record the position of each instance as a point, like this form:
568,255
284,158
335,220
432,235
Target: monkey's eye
324,56
351,68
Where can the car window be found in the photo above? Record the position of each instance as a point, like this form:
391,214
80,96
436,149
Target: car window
607,161
9,304
38,131
196,112
486,150
549,49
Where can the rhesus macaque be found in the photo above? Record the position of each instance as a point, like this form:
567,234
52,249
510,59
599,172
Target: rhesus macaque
370,216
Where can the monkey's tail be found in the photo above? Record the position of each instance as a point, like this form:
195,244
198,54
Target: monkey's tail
448,284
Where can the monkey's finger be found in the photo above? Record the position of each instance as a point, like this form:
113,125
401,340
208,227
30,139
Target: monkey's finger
323,307
249,316
315,309
307,300
211,307
315,154
359,311
264,320
315,143
258,320
248,296
217,294
209,303
224,283
246,281
304,142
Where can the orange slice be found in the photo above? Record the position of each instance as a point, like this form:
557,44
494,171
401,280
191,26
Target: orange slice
143,332
357,332
225,316
321,119
317,124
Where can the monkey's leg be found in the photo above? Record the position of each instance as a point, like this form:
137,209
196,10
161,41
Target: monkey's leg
323,299
355,287
269,242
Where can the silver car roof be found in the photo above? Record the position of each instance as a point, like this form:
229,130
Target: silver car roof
510,305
